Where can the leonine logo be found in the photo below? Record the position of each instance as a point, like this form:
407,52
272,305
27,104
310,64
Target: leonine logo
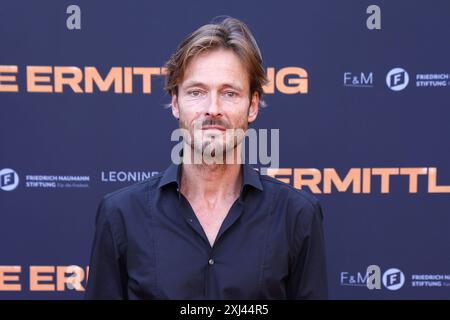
9,179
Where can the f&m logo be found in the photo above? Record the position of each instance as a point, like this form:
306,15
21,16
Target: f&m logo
397,79
9,179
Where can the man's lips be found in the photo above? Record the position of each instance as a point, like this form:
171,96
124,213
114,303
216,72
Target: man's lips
216,127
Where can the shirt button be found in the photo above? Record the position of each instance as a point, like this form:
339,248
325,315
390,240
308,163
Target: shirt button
211,262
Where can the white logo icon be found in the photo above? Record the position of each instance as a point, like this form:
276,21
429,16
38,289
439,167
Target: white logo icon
9,179
397,79
393,279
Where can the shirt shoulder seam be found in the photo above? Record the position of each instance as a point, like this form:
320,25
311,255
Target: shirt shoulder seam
291,188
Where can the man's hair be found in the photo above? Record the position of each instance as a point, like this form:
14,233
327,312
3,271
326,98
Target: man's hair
229,33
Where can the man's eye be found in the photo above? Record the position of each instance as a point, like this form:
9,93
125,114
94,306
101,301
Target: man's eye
195,93
230,94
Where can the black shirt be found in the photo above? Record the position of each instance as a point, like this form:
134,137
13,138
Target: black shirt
150,245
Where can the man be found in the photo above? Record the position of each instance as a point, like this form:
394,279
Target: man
202,230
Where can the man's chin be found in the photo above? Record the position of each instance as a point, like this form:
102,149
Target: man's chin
210,151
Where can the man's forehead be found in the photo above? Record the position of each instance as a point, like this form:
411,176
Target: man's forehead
218,68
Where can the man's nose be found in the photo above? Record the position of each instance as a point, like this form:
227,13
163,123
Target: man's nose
214,106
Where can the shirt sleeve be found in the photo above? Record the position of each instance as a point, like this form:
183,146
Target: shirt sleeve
106,269
308,274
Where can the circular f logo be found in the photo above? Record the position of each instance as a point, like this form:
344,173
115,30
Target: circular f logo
397,79
9,179
393,279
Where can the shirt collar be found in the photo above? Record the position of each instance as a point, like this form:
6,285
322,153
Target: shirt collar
171,175
250,177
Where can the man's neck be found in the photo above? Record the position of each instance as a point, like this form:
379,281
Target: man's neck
211,182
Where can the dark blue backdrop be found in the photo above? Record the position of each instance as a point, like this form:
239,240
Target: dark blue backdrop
334,125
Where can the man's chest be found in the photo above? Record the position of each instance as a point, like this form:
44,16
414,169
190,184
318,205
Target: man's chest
211,217
169,256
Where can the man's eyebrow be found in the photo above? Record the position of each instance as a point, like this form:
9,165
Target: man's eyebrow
193,83
233,85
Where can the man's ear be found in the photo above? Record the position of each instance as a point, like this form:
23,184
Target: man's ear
174,106
253,108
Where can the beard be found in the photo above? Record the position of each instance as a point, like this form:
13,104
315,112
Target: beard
214,146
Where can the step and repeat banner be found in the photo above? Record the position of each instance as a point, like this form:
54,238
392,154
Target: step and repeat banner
359,90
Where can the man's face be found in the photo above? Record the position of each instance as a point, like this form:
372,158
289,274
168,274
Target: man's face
213,96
